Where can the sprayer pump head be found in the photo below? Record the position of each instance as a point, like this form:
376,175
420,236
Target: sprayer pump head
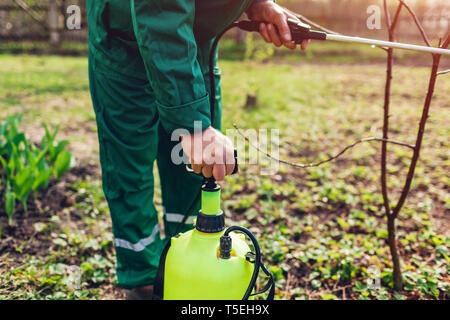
210,185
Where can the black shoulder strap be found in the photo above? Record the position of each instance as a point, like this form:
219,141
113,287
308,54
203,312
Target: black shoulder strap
158,289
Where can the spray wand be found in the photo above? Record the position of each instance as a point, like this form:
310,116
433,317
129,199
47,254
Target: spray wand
301,31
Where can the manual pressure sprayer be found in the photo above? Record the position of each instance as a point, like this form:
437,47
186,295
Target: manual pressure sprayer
211,262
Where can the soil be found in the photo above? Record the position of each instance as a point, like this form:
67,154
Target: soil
60,196
56,198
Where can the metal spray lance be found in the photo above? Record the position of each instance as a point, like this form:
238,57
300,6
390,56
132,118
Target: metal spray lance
302,31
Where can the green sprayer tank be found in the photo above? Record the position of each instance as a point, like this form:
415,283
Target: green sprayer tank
208,262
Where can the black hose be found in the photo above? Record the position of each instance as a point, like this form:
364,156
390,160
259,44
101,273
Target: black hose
270,284
188,213
212,82
257,257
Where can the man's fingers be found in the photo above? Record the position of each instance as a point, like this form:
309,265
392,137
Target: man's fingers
196,155
219,172
290,45
264,33
207,171
197,168
274,35
283,28
229,161
305,44
214,156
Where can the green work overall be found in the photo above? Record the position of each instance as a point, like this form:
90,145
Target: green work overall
148,73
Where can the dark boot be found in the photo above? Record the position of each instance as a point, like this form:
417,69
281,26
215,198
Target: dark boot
140,293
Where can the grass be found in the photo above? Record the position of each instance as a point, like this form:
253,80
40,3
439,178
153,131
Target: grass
44,48
322,230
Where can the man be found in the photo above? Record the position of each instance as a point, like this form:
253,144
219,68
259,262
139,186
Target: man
148,72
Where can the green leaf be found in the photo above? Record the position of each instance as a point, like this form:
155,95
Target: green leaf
42,179
60,242
4,165
398,296
251,213
328,296
316,284
10,203
62,163
58,149
22,186
40,156
39,226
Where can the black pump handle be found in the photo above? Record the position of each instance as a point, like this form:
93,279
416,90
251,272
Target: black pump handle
300,31
235,170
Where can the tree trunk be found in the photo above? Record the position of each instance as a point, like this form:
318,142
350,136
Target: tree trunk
53,22
398,284
240,36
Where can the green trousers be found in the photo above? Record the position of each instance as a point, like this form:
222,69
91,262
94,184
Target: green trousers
131,139
148,74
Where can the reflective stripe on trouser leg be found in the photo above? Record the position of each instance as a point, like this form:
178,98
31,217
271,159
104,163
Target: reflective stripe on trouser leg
177,217
127,124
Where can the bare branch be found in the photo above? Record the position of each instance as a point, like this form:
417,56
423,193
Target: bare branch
446,42
387,95
417,22
397,14
309,165
420,133
387,15
391,25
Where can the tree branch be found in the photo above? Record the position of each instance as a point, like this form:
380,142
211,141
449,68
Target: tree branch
397,14
417,22
387,94
309,165
387,15
423,120
446,42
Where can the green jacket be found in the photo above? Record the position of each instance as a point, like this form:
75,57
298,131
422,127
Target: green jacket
166,42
